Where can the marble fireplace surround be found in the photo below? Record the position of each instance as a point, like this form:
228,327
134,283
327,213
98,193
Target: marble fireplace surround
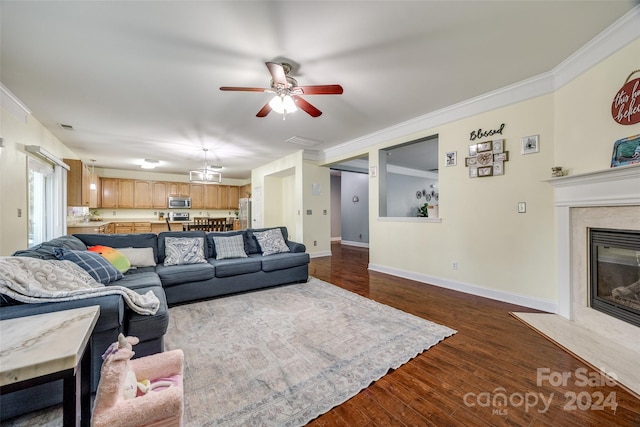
602,199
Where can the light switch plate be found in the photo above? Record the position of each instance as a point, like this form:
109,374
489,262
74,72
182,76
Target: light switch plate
522,207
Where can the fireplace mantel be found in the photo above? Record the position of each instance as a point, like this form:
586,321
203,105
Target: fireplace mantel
606,188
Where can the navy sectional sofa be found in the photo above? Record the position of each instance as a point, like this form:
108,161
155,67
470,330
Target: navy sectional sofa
172,284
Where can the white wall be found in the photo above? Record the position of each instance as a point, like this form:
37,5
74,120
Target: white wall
500,253
18,132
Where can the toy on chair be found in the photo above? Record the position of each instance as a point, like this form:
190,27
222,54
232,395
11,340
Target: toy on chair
140,392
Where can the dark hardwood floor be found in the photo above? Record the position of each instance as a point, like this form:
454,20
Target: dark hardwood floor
465,379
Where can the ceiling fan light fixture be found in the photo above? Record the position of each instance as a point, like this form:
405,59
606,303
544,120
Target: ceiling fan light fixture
283,104
206,175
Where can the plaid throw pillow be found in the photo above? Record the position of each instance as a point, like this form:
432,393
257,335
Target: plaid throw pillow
229,247
94,264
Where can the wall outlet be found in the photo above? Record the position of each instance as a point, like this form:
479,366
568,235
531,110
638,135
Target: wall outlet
114,213
454,265
315,243
19,213
309,211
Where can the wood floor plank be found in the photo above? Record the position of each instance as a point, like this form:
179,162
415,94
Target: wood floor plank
490,350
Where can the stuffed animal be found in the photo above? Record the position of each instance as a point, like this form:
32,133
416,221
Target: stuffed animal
138,392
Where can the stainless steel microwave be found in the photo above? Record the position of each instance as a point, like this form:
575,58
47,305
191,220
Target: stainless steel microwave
179,202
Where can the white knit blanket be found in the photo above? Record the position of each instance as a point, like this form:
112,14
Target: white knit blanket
32,280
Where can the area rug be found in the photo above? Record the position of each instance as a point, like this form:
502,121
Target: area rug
283,356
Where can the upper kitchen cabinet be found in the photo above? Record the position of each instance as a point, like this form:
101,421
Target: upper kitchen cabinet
80,191
179,189
143,194
196,192
160,191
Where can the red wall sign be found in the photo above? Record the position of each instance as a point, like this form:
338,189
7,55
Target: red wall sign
625,108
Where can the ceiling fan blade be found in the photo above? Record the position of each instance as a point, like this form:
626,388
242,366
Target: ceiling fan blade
304,105
245,89
264,111
277,73
321,90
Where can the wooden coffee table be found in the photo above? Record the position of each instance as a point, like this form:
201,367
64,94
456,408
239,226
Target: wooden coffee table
48,347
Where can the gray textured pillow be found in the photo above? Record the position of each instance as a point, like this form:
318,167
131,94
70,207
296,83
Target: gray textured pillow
271,241
139,257
184,250
229,246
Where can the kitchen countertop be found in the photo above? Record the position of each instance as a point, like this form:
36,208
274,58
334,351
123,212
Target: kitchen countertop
81,223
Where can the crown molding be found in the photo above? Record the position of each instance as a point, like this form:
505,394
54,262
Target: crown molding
618,35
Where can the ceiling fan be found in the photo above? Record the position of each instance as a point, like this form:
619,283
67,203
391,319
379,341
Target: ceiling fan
287,92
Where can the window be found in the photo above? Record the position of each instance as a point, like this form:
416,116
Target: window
46,203
408,177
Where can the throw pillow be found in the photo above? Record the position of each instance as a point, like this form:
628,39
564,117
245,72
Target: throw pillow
94,264
271,241
114,256
184,250
139,257
229,247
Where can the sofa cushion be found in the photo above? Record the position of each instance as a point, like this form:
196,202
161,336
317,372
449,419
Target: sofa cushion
235,266
178,274
284,260
147,328
252,241
94,264
139,280
271,241
117,241
163,236
184,250
45,249
229,247
212,246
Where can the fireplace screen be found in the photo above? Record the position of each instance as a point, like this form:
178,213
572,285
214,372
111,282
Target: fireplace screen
615,273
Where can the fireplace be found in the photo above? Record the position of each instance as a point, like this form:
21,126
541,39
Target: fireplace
615,273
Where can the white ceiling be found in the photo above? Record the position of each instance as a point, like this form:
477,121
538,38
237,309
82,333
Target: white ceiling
140,79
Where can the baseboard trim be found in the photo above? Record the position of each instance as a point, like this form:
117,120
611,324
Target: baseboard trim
467,288
351,243
319,254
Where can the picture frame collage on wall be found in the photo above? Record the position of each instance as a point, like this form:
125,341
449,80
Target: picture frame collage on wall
486,159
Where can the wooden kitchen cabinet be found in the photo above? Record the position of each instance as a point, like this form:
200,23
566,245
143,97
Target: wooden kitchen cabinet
211,196
109,192
159,194
196,191
143,194
179,189
142,227
123,227
233,196
79,180
223,197
245,191
126,192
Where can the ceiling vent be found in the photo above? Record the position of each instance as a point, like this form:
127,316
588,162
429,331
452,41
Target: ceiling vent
65,127
306,142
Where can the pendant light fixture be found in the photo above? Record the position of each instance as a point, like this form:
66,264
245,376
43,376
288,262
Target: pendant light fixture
92,185
206,175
